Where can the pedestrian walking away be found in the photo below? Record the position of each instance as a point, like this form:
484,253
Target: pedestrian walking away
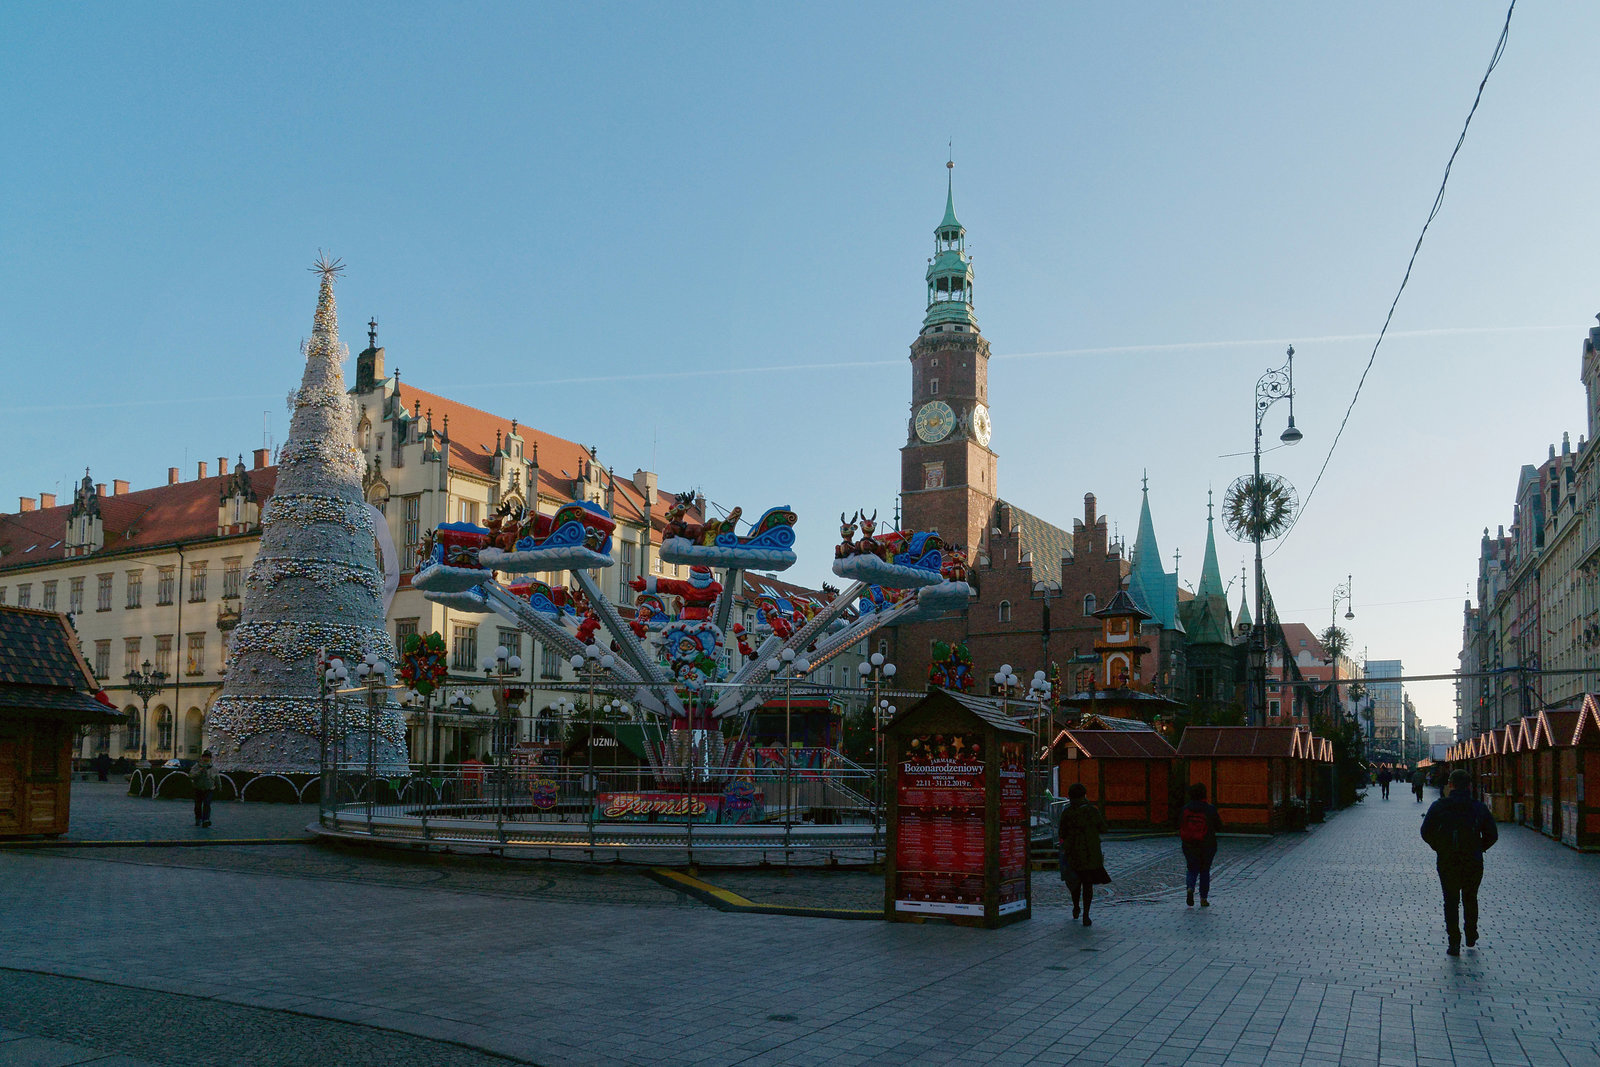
1417,779
1384,778
1083,864
1198,826
102,766
204,777
1460,830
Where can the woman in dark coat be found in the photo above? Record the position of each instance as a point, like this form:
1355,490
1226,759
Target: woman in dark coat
1198,826
1083,864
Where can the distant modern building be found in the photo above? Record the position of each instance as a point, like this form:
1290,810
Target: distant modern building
1386,726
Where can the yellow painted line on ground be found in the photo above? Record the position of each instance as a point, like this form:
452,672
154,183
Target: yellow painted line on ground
738,903
723,895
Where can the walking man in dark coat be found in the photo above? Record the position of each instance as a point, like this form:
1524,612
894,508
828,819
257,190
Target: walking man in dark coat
1460,829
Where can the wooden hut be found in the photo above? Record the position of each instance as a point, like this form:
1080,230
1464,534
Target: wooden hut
1556,760
1128,773
1529,787
1496,785
1248,771
45,695
1580,817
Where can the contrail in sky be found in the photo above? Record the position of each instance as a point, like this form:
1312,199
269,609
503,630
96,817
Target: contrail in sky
730,372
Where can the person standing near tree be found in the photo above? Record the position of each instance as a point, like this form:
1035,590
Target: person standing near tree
1080,829
1198,826
204,777
1460,830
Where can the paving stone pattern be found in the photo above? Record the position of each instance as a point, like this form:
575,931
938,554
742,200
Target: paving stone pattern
1326,947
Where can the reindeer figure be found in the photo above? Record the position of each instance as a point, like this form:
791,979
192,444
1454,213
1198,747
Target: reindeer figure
505,527
847,546
870,545
675,526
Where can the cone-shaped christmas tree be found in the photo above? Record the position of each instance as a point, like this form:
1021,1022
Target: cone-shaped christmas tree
314,587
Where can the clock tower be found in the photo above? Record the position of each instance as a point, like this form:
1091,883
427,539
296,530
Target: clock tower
947,472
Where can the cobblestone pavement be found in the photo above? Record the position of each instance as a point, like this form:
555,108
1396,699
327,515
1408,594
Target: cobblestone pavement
103,811
45,1019
1323,948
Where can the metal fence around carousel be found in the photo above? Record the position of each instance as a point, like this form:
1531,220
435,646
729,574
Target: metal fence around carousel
814,802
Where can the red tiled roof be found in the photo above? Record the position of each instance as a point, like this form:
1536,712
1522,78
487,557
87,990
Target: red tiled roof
561,462
1295,632
1116,744
1241,741
132,521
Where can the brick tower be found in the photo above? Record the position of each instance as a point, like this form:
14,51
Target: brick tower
947,472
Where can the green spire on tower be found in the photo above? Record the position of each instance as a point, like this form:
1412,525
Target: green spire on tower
950,270
1210,573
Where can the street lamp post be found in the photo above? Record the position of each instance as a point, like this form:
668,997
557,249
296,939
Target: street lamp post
503,666
592,664
1271,387
331,675
792,665
145,684
372,674
1341,594
1005,678
875,670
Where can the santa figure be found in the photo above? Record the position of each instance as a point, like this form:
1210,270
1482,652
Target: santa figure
699,593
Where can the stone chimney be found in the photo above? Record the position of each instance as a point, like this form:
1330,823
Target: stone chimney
1088,509
261,456
47,500
172,475
25,503
119,486
201,470
100,489
222,466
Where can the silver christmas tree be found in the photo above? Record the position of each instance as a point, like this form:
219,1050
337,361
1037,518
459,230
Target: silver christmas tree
314,587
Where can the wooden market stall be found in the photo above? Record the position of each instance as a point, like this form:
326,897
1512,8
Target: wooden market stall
1520,735
1580,820
1556,758
1250,772
45,695
1128,773
957,813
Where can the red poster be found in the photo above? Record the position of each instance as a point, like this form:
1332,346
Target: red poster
939,853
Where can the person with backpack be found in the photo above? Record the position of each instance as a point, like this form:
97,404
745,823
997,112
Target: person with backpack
1460,830
1083,864
1198,826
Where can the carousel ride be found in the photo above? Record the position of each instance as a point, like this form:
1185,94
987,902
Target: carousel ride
668,658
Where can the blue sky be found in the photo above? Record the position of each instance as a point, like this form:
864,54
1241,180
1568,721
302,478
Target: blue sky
725,210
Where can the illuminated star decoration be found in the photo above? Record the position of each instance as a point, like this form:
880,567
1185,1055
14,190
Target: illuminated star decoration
327,267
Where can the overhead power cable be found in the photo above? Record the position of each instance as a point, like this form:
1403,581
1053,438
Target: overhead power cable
1433,212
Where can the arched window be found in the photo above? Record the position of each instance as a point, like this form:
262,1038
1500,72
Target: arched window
130,731
1088,604
1005,611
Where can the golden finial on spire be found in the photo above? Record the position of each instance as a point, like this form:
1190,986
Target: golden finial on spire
328,267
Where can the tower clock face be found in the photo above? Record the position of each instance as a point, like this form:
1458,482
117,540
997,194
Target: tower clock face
980,425
935,420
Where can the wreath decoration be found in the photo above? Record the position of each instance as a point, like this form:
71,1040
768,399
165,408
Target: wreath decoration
423,665
1259,506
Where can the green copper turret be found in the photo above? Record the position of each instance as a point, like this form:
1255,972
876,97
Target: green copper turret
950,270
